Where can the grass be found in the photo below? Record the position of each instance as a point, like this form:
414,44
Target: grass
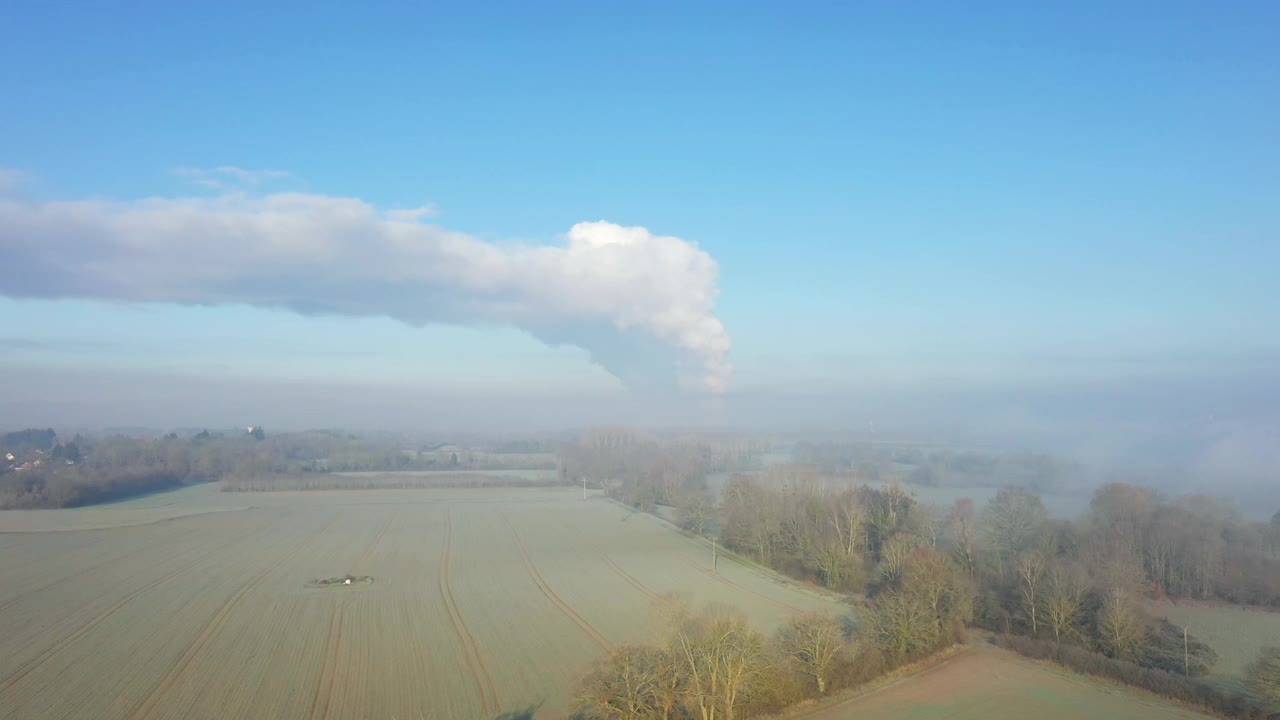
987,683
484,601
1236,632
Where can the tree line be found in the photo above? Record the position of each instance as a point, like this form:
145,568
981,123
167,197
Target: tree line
872,462
636,468
1011,568
88,470
47,472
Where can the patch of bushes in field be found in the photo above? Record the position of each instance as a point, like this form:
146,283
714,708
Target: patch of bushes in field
345,580
1190,690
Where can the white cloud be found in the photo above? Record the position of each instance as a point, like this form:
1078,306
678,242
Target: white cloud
641,304
413,214
10,179
225,177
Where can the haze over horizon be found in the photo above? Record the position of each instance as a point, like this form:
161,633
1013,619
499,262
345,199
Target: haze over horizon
1054,228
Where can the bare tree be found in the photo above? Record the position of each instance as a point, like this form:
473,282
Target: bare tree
845,514
1121,629
888,511
812,641
893,555
1063,601
834,564
1011,520
902,624
694,511
961,529
1030,567
941,586
930,523
720,656
621,687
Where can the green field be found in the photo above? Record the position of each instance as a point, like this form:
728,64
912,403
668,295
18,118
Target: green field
985,683
1237,633
479,601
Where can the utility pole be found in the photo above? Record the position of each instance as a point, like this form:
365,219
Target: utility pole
1186,656
713,556
584,487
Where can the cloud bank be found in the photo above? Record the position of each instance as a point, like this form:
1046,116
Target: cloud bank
641,304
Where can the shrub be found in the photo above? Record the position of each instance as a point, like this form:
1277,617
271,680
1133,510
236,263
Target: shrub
1264,674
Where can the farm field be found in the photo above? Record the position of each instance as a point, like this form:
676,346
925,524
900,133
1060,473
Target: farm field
394,480
157,507
1237,633
986,683
528,473
482,601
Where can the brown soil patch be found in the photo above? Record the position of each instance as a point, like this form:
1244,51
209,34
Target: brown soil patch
987,683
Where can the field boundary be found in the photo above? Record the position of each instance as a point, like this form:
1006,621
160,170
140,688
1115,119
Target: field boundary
746,562
151,699
903,674
1159,605
717,576
460,629
551,595
45,655
1112,686
100,528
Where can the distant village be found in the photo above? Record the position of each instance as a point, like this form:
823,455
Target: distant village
30,449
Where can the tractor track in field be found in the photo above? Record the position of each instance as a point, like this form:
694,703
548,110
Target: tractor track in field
629,579
470,647
550,594
324,663
338,668
776,603
373,546
329,671
48,653
151,699
14,601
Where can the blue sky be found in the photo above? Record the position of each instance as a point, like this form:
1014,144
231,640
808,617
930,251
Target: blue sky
894,194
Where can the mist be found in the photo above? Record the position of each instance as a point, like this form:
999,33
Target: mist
1219,435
